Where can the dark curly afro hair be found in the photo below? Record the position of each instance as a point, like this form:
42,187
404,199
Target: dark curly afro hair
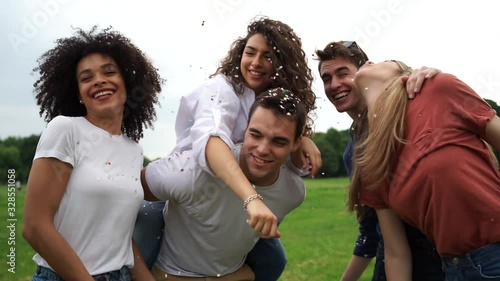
57,88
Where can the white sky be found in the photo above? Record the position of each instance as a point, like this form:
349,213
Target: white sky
186,39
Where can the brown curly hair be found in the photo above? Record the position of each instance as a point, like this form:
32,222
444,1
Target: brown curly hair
57,88
287,57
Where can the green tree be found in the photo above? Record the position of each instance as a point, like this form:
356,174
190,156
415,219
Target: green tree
494,105
146,161
332,145
327,155
9,159
26,147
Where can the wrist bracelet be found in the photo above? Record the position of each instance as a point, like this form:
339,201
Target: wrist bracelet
250,198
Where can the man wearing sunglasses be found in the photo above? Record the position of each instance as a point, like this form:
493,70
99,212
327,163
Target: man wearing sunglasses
338,62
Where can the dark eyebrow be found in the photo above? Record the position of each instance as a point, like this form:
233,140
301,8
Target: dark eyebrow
253,130
342,68
108,65
83,72
275,139
282,139
104,66
325,75
255,49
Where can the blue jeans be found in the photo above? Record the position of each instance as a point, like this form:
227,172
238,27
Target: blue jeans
267,258
148,230
47,274
379,269
480,264
427,264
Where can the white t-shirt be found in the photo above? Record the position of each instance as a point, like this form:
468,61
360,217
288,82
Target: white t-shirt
97,213
212,109
206,233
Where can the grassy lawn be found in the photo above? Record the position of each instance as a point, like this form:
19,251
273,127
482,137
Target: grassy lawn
318,236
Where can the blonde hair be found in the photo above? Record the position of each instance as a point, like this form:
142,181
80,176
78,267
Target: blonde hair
492,155
379,133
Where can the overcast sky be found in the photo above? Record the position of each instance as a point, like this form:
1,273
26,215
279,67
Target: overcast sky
186,39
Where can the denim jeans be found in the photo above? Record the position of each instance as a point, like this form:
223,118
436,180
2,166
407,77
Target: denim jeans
480,264
379,269
47,274
148,230
427,264
267,258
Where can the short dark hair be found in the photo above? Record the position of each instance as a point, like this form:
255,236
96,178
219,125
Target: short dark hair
57,90
283,103
348,50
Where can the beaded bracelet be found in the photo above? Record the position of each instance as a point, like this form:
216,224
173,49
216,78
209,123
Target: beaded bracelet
250,198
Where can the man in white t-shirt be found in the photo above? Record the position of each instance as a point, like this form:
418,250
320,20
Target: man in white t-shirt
207,233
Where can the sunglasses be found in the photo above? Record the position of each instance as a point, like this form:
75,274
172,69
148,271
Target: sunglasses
350,45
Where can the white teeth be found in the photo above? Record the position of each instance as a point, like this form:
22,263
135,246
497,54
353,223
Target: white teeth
260,161
103,93
341,95
255,73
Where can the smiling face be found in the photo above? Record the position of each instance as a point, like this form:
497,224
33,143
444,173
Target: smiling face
256,66
269,140
337,75
101,86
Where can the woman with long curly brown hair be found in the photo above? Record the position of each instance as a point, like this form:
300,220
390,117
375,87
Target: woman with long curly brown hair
426,161
214,116
97,91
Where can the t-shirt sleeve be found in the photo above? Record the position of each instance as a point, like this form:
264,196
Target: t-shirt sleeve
170,177
57,141
372,198
468,108
295,188
217,110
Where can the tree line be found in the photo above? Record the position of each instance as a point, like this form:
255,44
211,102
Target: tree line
18,152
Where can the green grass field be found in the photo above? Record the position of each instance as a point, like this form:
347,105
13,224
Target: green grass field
318,236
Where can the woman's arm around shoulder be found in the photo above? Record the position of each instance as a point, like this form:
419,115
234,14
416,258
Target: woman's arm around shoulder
307,156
